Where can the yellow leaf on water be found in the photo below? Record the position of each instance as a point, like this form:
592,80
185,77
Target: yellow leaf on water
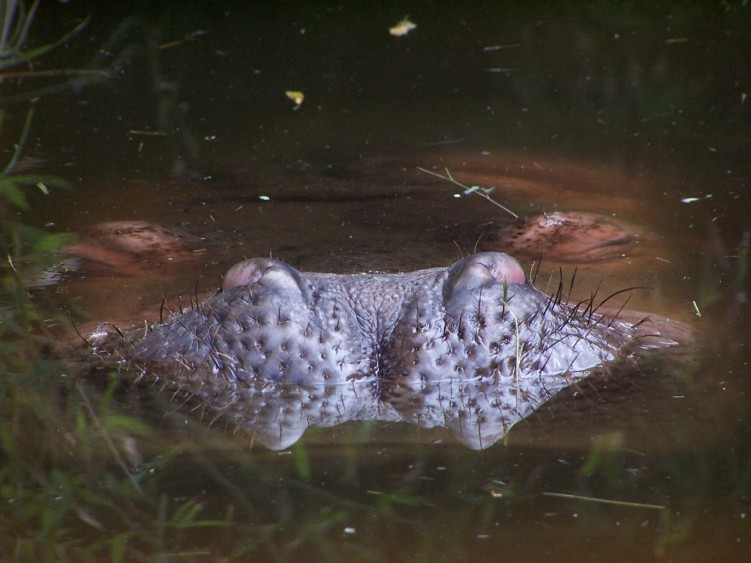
296,97
402,28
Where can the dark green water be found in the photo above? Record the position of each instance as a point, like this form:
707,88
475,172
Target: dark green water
615,108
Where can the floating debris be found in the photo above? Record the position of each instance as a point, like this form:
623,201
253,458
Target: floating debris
479,190
606,501
490,48
695,199
296,97
402,28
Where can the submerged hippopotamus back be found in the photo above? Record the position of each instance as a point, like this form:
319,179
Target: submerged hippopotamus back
475,319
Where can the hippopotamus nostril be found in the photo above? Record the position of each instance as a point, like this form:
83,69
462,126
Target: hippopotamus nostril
266,273
480,270
243,273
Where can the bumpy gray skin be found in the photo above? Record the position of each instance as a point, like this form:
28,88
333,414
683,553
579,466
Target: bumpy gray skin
472,348
474,319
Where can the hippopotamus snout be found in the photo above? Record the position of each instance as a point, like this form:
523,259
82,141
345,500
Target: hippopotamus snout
479,269
476,318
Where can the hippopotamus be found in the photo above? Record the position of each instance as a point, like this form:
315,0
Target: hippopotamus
475,319
473,347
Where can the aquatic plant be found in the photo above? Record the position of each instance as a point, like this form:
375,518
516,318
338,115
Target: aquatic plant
56,486
15,23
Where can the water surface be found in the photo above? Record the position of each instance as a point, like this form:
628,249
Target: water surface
618,110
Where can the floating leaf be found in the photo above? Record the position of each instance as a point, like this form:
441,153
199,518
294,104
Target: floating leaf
402,28
296,97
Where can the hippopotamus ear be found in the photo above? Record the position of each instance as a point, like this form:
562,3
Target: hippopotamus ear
481,270
267,272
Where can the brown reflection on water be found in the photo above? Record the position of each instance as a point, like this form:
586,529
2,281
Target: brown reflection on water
379,215
384,215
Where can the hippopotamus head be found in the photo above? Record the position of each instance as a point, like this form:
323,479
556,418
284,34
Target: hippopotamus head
477,318
471,347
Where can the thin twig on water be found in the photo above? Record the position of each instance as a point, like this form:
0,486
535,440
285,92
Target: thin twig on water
606,501
482,192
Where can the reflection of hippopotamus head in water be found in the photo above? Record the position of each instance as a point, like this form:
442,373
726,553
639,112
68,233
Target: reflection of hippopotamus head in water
471,347
570,237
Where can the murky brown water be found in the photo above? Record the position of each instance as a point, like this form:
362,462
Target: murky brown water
586,108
